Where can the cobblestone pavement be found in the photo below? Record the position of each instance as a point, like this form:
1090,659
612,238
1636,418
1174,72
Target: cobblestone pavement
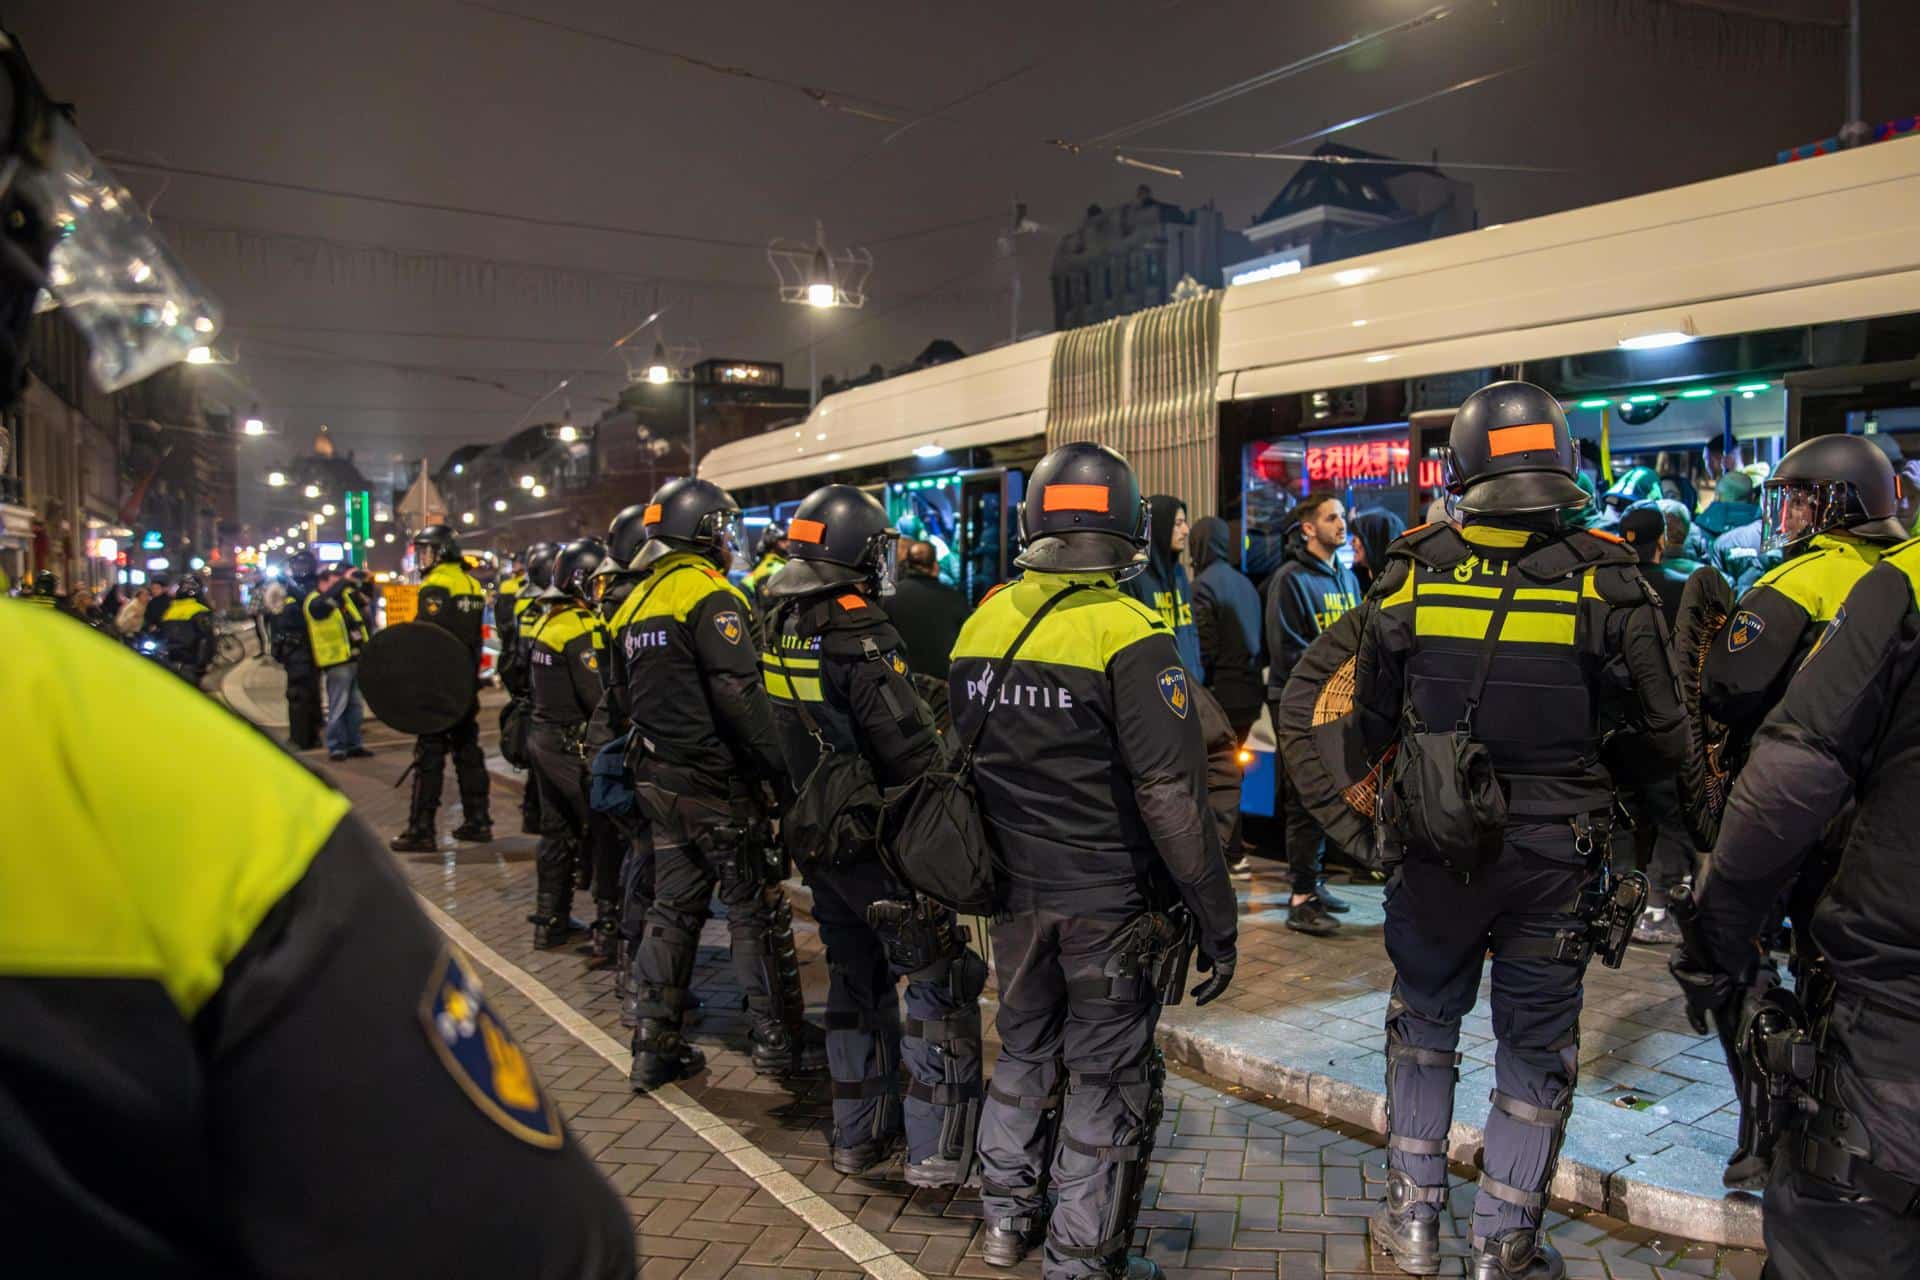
1240,1184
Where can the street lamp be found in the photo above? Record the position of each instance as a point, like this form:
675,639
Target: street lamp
277,479
526,482
539,491
312,491
499,504
658,373
568,433
467,517
326,508
255,427
820,290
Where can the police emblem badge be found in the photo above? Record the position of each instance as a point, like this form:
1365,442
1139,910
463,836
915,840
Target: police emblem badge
1744,630
1173,689
729,626
478,1051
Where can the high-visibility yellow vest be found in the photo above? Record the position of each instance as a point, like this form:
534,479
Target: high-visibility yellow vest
331,643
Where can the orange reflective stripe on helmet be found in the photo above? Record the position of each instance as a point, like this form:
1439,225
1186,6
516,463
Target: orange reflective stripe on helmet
1524,438
809,531
1074,497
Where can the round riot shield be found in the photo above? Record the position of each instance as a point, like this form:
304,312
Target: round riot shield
417,677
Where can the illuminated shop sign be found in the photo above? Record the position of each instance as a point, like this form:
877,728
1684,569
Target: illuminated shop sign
1365,462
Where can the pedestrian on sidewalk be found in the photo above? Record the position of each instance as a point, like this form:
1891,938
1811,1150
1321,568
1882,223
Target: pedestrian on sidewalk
1309,590
293,650
1486,657
336,632
1227,622
1162,583
928,614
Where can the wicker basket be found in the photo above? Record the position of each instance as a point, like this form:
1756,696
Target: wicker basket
1334,701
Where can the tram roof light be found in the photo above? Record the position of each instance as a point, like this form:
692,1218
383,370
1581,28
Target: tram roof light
1656,340
1599,402
1645,397
1748,388
1696,393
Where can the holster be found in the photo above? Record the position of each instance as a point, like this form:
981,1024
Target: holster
917,933
1150,955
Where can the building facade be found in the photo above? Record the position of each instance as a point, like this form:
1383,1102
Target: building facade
1132,257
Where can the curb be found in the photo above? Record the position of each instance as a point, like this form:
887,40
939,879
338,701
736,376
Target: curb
1660,1192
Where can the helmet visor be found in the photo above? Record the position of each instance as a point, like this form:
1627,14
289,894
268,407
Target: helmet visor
726,533
1794,510
119,284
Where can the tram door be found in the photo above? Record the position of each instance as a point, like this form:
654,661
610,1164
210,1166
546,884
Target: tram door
989,509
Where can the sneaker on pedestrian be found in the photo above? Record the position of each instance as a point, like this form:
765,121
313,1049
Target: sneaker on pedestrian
1329,900
1310,917
1657,928
336,755
1240,868
359,753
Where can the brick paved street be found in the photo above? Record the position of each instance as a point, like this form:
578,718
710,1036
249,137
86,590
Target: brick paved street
1240,1185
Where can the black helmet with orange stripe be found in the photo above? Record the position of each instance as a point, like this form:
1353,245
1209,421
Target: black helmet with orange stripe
838,537
1083,513
1510,453
690,515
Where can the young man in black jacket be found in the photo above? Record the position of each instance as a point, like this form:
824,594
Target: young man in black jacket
1226,616
1309,590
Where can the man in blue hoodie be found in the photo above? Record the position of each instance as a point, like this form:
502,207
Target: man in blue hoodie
1162,585
1309,590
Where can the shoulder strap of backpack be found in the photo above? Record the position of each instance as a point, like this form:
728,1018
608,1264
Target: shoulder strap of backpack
1006,661
775,631
1485,668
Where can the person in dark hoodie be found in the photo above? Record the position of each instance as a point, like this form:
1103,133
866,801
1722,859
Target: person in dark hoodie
1162,585
1309,590
1370,533
1227,620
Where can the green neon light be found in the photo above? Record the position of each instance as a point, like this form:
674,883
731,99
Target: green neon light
1598,403
1645,398
1753,386
1696,393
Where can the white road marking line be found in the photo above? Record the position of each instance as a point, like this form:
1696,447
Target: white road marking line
859,1244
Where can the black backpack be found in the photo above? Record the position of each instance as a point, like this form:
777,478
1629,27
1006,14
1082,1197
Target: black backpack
835,815
1443,800
934,839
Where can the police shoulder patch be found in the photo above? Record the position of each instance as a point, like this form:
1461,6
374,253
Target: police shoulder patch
898,663
729,626
1173,690
474,1045
1744,630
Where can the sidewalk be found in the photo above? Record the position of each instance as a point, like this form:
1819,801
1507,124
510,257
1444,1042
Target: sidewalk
1653,1121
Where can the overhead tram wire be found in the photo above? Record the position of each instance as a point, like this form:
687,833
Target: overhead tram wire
1301,156
1261,81
1384,112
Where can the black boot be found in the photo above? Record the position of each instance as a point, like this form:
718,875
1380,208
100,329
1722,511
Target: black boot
552,917
783,1048
1516,1255
864,1157
603,940
1406,1227
474,831
415,841
419,835
1007,1241
662,1055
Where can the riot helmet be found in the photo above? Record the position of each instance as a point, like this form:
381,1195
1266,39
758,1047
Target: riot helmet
1829,483
691,515
838,537
1083,513
1510,453
625,536
573,565
303,569
436,545
190,588
45,584
540,557
771,539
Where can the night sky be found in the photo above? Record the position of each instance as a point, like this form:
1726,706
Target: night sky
910,128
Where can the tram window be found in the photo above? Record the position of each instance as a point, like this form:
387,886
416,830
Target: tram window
1682,440
1369,468
986,534
928,510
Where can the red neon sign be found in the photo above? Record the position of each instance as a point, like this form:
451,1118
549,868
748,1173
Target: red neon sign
1381,462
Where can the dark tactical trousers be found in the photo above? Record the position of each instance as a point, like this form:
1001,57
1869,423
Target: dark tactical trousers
1662,848
303,708
1815,1230
1066,1050
686,871
1438,932
430,753
636,885
865,1045
570,829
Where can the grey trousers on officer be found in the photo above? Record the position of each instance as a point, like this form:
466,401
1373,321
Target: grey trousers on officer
1067,1050
1438,931
865,1044
759,921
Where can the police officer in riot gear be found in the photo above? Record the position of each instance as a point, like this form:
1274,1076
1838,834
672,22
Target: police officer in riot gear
614,582
564,648
512,609
451,598
1091,777
705,761
835,669
1829,507
1519,633
1845,1181
187,630
292,643
283,1049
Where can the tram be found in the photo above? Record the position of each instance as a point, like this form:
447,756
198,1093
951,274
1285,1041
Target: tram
1685,330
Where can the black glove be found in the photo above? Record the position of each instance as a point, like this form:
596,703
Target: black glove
1221,969
1707,990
